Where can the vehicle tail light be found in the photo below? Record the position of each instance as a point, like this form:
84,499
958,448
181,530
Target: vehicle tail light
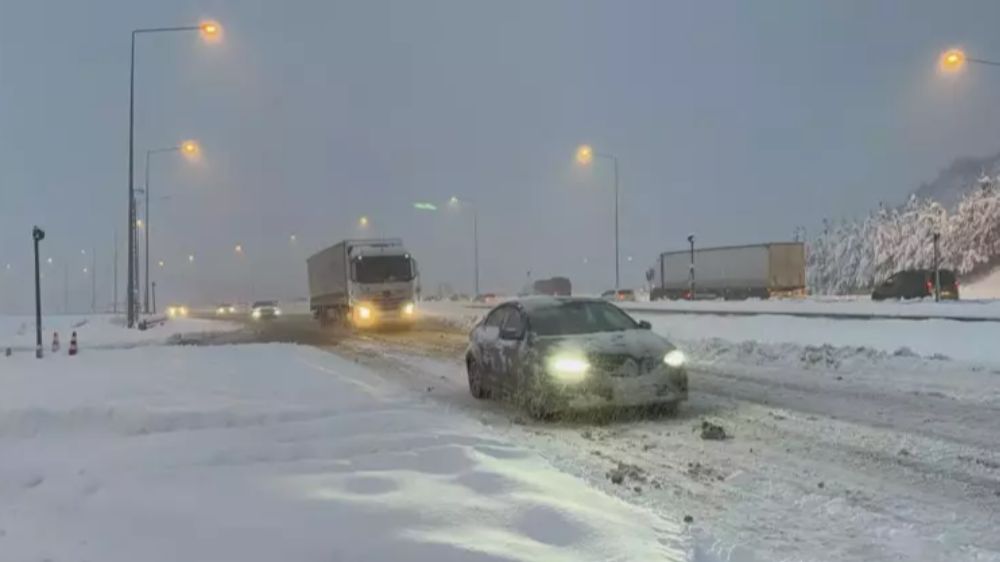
930,286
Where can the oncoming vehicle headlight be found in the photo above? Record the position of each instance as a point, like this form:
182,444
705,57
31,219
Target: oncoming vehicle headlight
277,311
184,311
220,310
568,368
408,309
364,312
171,311
255,313
675,358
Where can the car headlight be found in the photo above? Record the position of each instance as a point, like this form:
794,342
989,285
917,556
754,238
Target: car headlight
184,311
171,311
255,313
220,310
364,313
408,309
675,358
277,311
568,368
232,309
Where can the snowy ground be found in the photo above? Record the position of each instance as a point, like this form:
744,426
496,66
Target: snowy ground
280,452
97,330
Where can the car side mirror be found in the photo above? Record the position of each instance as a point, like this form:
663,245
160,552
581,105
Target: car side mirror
645,325
506,334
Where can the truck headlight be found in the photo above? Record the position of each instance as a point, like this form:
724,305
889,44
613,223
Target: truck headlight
277,311
568,368
364,313
675,358
408,309
255,313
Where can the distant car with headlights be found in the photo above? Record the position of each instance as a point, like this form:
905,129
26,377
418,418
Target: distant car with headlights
556,354
225,309
264,310
620,295
177,311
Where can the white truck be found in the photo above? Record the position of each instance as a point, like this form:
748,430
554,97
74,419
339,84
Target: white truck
732,272
364,283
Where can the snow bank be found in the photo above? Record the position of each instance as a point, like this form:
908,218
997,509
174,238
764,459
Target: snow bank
278,452
929,338
92,331
849,306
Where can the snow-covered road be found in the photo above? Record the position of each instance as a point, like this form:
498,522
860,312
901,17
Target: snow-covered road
280,452
834,453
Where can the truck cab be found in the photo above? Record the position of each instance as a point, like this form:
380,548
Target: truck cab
382,285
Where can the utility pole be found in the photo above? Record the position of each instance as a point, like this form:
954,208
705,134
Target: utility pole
38,235
691,274
66,287
937,268
114,295
154,297
93,280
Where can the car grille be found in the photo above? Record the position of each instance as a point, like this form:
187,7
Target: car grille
622,364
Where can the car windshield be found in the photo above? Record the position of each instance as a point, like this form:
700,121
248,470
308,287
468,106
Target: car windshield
381,269
579,317
259,304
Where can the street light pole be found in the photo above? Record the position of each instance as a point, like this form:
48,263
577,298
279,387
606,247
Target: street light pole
475,245
38,235
691,274
210,29
585,155
150,152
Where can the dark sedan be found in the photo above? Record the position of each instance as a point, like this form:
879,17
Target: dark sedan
553,354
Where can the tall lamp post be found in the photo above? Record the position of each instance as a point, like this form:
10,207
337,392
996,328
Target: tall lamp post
455,202
38,235
189,149
585,154
211,32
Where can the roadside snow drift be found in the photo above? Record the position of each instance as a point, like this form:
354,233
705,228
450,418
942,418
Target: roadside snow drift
277,452
98,330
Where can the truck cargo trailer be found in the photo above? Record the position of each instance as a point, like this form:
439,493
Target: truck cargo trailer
732,272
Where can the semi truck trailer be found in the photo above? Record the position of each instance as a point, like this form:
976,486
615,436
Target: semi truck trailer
732,272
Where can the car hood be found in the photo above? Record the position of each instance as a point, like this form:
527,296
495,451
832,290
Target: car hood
634,343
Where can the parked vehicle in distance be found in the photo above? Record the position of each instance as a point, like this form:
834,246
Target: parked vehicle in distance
365,283
555,354
554,287
732,272
264,310
620,295
917,284
486,298
224,309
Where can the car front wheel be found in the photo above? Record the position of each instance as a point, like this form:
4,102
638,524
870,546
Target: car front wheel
476,386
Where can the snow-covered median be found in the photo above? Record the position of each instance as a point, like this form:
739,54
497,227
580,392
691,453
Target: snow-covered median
279,452
98,330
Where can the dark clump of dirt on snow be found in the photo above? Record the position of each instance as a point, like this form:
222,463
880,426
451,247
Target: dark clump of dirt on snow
713,432
626,471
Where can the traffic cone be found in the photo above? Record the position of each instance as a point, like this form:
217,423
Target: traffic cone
55,342
72,344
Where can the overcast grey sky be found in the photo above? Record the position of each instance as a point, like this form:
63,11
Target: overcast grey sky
733,120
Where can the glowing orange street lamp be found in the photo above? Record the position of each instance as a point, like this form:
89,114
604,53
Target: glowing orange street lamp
190,149
953,60
211,31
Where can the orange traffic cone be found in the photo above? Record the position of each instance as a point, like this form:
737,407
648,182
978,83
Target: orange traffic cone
72,344
55,342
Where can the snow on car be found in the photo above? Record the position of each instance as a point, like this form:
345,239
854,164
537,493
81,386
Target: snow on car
554,354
